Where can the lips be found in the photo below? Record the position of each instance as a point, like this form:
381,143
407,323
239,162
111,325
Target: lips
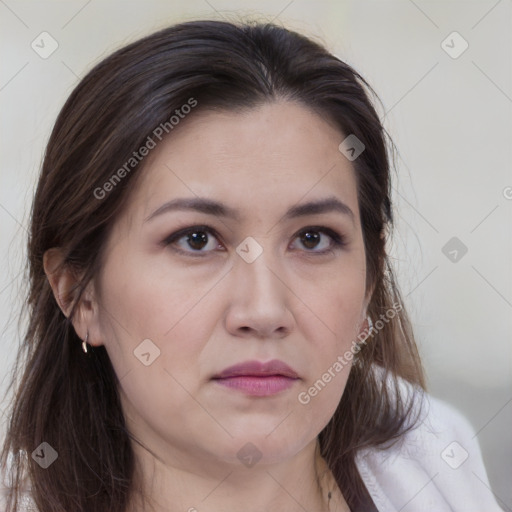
258,369
257,379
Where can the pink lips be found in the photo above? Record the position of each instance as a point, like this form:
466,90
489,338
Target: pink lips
258,379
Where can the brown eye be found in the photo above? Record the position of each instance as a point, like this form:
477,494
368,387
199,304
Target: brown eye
320,240
310,239
195,240
201,240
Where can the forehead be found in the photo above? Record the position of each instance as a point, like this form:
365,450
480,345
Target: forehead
255,160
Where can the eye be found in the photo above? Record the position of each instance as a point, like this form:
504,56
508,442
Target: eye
195,238
311,237
198,238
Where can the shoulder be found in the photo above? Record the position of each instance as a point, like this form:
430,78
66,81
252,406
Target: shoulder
436,465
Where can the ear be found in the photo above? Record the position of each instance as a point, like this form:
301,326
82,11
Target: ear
64,280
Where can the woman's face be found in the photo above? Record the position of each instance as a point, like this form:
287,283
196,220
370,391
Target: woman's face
247,283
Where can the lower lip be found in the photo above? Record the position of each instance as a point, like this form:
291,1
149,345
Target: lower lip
258,386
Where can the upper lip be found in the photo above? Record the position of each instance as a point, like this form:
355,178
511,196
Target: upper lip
258,369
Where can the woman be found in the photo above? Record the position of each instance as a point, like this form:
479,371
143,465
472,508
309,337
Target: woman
214,322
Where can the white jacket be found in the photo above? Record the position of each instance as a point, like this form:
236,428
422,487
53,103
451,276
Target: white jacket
436,467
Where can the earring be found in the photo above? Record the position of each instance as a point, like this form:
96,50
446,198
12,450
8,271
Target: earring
84,343
365,333
370,325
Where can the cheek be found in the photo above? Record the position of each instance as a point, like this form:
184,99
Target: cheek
319,398
155,343
331,324
147,299
334,301
145,312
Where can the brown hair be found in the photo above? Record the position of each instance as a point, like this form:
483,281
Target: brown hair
69,399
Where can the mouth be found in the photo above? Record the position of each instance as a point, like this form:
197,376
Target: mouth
258,379
258,386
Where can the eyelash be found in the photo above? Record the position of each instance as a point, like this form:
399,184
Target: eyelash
338,240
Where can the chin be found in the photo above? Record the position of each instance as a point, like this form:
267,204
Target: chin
257,447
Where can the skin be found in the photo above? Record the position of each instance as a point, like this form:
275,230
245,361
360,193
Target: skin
208,312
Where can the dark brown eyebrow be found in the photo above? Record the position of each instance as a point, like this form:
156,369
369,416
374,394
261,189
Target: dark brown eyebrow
212,207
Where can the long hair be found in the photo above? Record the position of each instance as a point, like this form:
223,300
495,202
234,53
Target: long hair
71,401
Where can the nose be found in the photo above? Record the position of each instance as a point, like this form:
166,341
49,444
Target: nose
260,300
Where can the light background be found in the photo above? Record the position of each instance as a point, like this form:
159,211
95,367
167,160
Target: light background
450,119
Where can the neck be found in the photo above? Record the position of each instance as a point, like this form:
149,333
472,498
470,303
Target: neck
303,482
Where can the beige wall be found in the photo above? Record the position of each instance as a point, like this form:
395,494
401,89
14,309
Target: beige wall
450,118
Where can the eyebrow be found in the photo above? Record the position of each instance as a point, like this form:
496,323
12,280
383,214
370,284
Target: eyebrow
218,209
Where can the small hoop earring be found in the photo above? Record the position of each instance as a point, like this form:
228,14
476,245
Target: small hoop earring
370,325
84,343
